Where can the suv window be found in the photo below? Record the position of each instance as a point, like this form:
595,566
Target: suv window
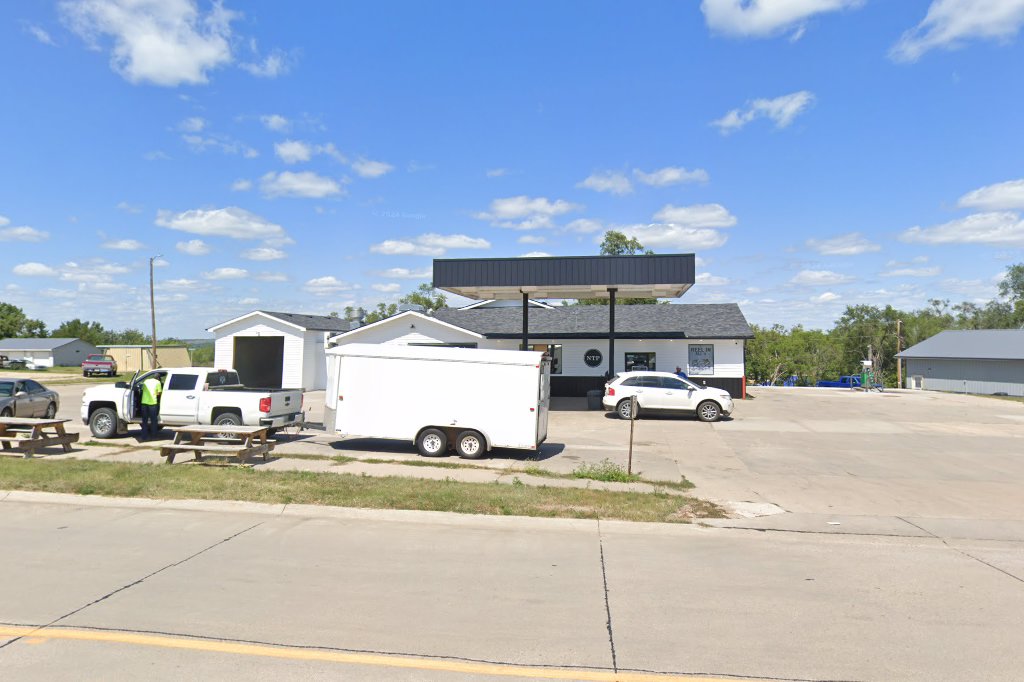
632,381
183,382
677,384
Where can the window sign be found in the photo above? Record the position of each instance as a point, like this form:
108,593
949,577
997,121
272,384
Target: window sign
702,359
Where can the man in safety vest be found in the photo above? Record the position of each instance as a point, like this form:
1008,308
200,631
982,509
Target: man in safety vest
151,390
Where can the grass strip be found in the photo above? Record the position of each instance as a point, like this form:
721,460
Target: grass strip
159,481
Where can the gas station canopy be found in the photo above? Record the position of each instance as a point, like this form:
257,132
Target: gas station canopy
655,276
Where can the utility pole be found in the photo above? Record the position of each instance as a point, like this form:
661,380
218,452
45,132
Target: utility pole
152,308
899,360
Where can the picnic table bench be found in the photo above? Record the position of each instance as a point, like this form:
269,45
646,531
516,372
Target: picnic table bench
24,436
218,441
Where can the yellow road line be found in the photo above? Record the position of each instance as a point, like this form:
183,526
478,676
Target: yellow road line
469,668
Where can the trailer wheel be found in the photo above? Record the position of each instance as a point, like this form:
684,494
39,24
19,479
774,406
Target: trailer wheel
432,443
470,445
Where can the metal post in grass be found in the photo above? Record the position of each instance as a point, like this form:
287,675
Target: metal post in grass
634,409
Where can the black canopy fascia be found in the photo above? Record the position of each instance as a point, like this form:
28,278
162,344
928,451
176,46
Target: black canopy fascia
646,276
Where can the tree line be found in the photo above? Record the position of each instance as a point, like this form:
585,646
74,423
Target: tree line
14,323
865,332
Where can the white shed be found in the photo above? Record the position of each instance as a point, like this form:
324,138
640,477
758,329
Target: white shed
277,350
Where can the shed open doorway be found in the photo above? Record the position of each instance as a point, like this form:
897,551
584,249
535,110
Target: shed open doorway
259,360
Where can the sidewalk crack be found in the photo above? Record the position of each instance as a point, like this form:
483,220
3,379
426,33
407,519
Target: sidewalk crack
607,605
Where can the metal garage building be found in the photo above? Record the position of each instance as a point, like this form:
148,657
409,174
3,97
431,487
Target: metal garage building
54,352
985,361
276,350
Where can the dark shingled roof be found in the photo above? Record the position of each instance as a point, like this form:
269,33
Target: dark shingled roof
678,320
318,323
973,344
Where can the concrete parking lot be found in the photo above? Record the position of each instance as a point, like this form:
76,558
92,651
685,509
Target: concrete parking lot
808,451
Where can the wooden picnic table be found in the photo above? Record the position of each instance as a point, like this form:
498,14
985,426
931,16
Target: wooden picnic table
218,441
24,435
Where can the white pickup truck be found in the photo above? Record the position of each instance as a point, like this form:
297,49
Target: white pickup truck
191,395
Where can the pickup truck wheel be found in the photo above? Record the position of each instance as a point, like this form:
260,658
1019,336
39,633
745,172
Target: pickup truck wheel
708,411
103,423
470,445
228,419
432,443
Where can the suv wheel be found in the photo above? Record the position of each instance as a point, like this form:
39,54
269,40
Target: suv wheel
708,411
623,409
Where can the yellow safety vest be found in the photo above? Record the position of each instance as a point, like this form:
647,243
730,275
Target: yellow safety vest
151,389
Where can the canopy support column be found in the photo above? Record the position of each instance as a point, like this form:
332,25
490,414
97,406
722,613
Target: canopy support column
611,333
526,322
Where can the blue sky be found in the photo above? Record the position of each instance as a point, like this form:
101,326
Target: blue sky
308,156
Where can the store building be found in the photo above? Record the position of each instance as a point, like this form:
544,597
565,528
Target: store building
985,361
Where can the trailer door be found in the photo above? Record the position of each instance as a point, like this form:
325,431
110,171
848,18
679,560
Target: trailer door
543,400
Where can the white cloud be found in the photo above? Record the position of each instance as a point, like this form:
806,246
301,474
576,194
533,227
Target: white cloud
95,271
40,34
128,208
193,124
199,144
781,110
405,273
263,253
182,283
275,64
226,273
241,185
21,233
709,280
670,175
532,239
156,156
232,221
124,245
607,181
525,213
168,42
697,215
536,254
497,172
760,18
306,184
293,151
1002,196
193,247
850,244
429,245
325,286
913,272
826,297
997,228
819,277
34,270
390,288
271,277
675,237
275,122
371,169
4,220
584,225
951,23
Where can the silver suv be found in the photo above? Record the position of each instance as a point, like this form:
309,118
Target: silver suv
662,391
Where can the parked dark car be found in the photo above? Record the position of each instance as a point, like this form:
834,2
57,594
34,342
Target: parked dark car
27,398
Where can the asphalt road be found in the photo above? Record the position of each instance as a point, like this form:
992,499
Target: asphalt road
100,589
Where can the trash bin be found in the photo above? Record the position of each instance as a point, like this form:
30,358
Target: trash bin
594,399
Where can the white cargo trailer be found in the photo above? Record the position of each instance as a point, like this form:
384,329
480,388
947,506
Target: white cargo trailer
465,399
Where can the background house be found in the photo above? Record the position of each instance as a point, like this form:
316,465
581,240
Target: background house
983,361
48,352
276,350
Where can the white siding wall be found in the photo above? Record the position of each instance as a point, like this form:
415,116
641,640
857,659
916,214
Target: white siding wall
224,346
314,362
669,354
407,331
969,376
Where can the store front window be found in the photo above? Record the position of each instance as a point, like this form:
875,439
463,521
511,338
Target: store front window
640,361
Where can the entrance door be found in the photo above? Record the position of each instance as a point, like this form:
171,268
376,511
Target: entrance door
259,360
